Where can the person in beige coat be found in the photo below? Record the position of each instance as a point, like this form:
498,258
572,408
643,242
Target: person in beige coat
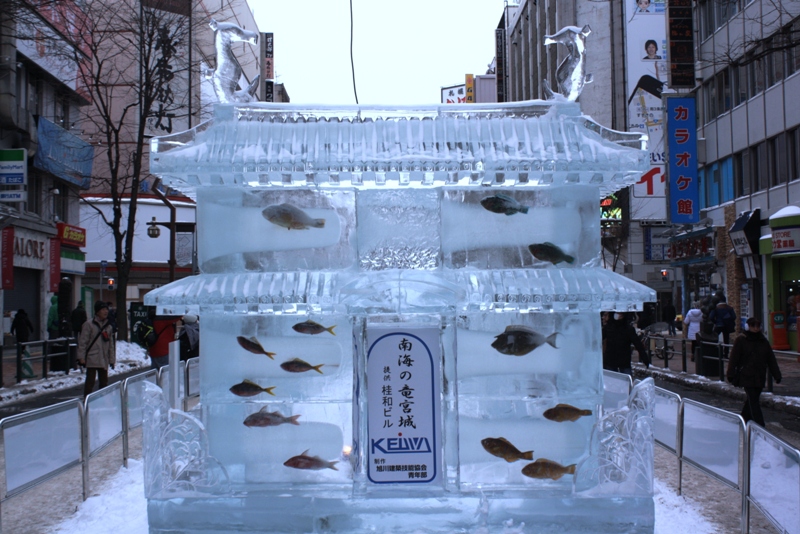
96,348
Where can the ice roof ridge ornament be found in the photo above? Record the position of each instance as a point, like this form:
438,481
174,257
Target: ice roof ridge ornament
571,74
227,73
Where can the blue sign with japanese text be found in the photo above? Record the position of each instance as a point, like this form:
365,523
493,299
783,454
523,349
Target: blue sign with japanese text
684,191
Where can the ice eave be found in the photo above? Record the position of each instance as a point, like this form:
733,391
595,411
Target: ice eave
533,143
525,290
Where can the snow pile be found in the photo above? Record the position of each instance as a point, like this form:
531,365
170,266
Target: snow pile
120,507
130,357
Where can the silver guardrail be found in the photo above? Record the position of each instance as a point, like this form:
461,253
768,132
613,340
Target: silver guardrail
84,427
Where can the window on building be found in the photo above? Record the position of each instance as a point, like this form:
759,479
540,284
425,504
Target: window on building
793,153
712,185
727,180
778,166
755,72
707,15
33,204
739,84
711,99
759,160
774,61
792,34
723,91
742,173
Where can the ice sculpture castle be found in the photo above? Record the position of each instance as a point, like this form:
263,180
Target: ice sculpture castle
400,313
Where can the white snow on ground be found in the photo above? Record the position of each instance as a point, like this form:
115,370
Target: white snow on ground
119,506
129,357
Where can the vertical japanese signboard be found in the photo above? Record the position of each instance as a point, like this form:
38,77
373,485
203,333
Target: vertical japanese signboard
501,59
469,84
684,193
680,26
7,253
403,431
646,77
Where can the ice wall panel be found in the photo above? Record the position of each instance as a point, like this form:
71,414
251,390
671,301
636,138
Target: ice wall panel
275,229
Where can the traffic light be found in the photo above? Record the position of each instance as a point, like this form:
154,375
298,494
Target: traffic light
112,284
664,275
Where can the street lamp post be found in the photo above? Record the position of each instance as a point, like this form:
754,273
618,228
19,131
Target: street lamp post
174,227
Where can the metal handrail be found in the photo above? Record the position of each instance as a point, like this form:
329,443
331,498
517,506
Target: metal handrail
46,353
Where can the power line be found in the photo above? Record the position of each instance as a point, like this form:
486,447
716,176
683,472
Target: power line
352,63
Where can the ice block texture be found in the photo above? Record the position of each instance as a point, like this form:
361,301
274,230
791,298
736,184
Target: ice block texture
523,144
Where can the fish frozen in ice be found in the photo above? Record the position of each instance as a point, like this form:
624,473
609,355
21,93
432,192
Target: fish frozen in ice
544,468
550,252
311,327
303,461
502,448
252,344
565,412
296,365
519,340
504,204
248,388
291,217
264,418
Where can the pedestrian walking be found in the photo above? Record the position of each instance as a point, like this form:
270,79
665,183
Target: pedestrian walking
692,321
77,318
96,348
669,313
618,336
724,319
52,318
21,326
164,330
751,356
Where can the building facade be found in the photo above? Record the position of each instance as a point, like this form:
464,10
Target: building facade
44,166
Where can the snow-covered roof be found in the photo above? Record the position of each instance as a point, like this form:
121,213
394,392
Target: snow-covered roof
534,143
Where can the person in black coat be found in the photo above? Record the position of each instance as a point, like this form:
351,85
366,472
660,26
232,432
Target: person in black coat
22,326
618,336
669,313
752,354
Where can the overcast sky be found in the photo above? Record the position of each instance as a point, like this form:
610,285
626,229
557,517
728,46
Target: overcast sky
404,51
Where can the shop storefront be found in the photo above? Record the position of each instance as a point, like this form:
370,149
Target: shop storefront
28,274
782,268
73,260
693,253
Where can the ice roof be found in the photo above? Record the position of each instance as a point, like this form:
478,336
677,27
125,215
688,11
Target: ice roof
587,289
534,143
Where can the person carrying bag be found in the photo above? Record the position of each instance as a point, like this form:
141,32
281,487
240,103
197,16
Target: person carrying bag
751,356
96,348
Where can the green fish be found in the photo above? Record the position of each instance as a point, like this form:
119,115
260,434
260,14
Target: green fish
248,388
549,252
503,204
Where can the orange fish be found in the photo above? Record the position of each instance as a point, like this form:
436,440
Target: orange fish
252,345
315,463
543,468
565,412
502,448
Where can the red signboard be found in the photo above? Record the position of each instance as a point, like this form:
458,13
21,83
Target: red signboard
72,235
55,264
7,253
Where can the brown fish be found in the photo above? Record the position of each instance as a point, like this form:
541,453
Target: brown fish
265,418
248,388
291,217
310,327
519,340
502,448
252,345
297,365
565,412
549,252
543,468
315,463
